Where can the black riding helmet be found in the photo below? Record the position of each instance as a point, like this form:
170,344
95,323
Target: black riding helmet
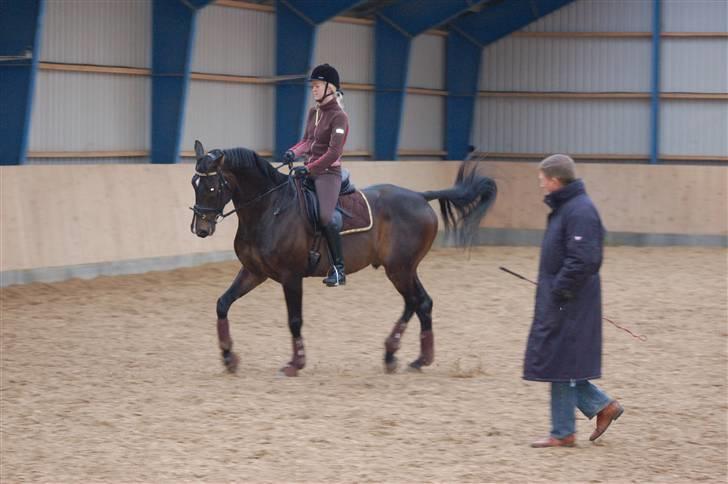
329,75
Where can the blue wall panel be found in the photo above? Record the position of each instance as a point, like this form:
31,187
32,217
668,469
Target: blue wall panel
20,27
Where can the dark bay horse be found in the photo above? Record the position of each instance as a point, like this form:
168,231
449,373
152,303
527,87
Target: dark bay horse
274,238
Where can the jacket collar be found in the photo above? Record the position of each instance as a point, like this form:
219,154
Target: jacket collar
331,105
564,194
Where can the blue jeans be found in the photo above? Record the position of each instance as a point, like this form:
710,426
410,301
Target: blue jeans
566,396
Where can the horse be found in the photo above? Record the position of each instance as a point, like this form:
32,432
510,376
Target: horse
275,237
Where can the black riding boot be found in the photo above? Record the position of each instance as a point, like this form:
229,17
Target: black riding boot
336,277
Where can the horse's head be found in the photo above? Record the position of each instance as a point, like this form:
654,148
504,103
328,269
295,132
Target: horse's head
212,191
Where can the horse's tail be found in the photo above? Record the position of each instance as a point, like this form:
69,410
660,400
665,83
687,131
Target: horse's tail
464,205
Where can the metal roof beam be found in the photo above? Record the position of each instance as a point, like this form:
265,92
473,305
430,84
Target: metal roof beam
497,20
417,16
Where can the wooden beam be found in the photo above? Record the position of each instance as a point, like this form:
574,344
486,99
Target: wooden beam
245,5
357,153
413,152
94,69
620,35
201,76
565,95
701,96
403,152
694,158
426,92
605,156
576,156
353,20
353,86
191,154
88,154
695,35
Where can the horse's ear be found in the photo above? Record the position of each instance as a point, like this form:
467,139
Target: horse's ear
199,150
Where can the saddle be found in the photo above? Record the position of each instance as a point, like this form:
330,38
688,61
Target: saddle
353,205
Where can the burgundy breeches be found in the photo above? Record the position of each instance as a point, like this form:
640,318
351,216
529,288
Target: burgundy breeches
328,186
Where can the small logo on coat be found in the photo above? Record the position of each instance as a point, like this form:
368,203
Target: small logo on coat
577,237
339,131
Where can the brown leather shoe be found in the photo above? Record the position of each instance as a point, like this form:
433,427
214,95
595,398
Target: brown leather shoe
550,441
609,414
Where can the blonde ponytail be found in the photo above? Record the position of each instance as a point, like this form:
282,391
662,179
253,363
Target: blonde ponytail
340,99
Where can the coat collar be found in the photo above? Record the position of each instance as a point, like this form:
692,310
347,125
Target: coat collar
329,106
562,195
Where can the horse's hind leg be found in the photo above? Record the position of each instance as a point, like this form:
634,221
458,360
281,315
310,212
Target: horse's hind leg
394,340
427,338
244,282
405,284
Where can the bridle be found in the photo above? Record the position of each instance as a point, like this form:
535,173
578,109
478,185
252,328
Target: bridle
213,215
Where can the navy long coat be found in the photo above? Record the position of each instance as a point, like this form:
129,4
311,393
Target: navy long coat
565,342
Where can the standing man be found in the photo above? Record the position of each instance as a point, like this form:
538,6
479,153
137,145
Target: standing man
565,342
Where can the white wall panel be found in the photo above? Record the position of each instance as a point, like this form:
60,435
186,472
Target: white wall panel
597,16
427,62
694,128
572,65
423,123
570,126
347,47
226,115
234,41
695,15
694,65
89,112
102,32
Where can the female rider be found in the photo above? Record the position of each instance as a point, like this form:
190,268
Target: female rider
322,145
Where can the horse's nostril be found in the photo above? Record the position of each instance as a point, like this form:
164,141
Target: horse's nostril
202,233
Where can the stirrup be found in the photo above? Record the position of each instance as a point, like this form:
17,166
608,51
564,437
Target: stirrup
335,278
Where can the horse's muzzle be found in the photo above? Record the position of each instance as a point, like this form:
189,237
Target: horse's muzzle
202,227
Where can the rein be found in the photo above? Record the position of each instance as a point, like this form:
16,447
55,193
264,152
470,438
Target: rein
254,199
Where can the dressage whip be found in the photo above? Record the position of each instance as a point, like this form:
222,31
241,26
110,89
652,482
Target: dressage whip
640,337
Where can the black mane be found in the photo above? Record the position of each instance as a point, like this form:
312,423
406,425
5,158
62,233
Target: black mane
240,159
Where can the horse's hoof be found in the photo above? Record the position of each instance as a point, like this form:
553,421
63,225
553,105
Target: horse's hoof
418,364
415,366
289,371
230,360
391,366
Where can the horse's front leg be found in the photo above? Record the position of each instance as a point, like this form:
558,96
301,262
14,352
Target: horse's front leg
244,282
293,290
